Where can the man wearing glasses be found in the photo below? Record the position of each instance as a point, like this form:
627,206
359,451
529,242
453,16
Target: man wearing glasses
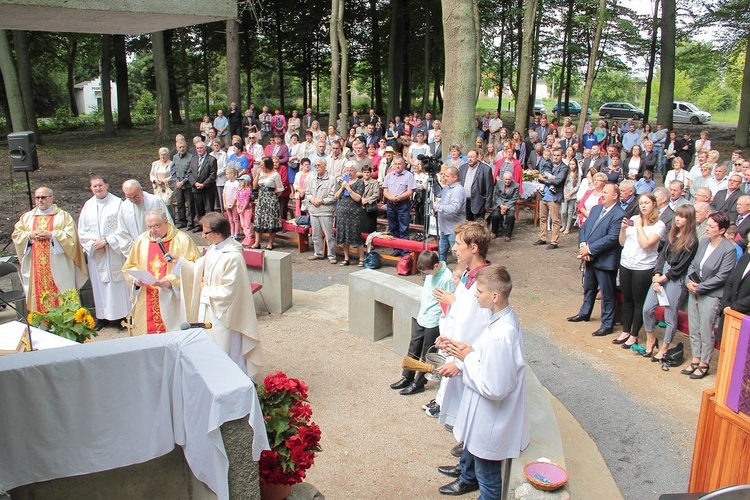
131,218
48,249
158,304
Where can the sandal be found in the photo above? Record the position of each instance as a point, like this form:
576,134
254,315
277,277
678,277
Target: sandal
361,263
255,247
269,247
699,372
690,369
344,262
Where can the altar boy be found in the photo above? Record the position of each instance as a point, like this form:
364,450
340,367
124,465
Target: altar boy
491,420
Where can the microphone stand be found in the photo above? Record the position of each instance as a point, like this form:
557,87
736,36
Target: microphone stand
23,318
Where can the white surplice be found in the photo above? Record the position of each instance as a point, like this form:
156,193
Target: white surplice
131,221
98,220
492,421
469,321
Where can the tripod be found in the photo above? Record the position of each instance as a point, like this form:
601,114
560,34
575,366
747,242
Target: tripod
427,210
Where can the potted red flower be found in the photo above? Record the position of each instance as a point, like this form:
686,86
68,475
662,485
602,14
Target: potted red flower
292,436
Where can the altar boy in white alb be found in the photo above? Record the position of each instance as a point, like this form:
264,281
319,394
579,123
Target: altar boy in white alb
491,420
96,226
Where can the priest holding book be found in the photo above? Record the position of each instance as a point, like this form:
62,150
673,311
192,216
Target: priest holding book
158,306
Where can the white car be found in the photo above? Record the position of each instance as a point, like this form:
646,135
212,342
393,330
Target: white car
685,112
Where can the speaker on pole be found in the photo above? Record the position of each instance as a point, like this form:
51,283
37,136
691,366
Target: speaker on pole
23,157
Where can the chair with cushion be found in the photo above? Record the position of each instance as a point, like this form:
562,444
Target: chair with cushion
255,259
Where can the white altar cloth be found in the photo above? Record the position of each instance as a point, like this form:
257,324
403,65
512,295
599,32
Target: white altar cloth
98,406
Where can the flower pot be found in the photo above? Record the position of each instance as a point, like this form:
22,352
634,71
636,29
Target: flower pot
275,491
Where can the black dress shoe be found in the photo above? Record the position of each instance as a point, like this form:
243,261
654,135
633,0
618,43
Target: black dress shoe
401,384
412,389
458,487
601,332
458,450
540,242
577,318
551,246
450,470
100,323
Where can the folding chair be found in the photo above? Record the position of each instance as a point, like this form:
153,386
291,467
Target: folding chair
14,295
255,259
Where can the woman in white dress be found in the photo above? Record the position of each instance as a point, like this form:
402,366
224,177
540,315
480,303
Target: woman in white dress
221,170
293,127
161,178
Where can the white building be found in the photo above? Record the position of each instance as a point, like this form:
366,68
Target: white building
89,96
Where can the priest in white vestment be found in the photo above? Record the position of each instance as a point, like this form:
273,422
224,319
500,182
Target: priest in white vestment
492,419
158,307
216,289
96,227
131,221
48,249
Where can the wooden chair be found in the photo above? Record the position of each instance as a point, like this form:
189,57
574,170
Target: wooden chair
533,204
255,259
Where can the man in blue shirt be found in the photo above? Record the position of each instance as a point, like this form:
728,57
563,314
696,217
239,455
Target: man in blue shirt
630,139
450,211
221,124
398,187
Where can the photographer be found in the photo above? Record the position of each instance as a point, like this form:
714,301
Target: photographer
450,211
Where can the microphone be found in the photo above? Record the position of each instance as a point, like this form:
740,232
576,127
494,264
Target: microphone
188,326
163,249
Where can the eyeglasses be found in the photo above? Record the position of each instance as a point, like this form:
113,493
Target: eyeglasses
41,197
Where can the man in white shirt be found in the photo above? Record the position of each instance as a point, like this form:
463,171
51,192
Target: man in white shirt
719,180
495,125
96,227
335,162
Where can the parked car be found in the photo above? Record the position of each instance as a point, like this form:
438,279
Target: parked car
574,109
685,112
620,110
539,107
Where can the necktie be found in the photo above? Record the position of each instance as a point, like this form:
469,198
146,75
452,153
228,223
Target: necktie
740,218
200,164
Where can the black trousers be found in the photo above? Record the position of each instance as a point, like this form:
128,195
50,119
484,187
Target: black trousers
471,215
203,200
634,286
183,197
508,221
421,340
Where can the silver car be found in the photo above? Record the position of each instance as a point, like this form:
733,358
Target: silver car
685,112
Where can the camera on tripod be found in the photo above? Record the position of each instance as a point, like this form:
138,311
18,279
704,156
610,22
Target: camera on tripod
430,164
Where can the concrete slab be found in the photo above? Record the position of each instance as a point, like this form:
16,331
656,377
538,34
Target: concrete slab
134,17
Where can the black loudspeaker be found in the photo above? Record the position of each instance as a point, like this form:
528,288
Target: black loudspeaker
23,157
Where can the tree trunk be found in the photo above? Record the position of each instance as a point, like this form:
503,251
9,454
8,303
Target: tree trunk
279,53
666,85
395,58
333,107
248,65
344,45
535,70
25,80
12,88
121,77
600,14
651,62
461,35
174,96
206,81
162,88
405,61
502,57
104,83
70,67
375,56
526,64
569,61
233,62
427,43
743,123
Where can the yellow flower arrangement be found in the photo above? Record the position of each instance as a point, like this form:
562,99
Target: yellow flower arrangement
68,319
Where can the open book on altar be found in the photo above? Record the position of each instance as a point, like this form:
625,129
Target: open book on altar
14,337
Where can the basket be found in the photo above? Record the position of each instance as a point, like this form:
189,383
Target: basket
537,472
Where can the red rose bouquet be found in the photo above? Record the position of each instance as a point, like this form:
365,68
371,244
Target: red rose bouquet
293,437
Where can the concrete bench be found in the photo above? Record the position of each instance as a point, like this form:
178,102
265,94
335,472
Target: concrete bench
382,305
276,279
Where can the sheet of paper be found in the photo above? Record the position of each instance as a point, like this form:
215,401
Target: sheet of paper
144,276
662,297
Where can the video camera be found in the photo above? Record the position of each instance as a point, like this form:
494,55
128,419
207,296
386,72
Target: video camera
430,164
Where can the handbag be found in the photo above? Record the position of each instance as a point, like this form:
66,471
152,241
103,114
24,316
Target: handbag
373,261
673,357
303,220
371,207
403,268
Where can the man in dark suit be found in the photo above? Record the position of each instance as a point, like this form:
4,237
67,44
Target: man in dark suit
725,200
552,198
202,180
506,198
736,292
628,199
685,148
476,178
436,148
648,158
535,157
599,248
743,220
